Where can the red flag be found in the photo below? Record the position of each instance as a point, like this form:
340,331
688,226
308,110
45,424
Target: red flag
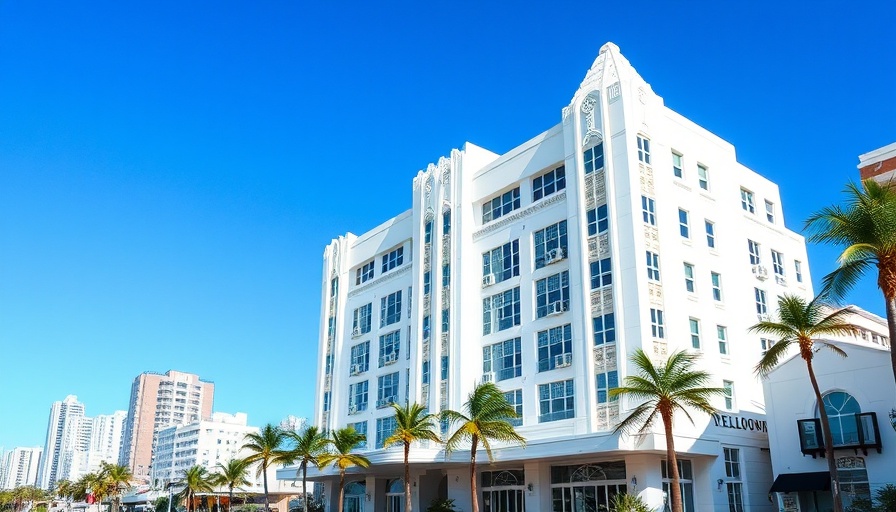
90,499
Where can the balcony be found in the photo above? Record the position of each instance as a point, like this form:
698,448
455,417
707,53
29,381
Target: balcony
865,436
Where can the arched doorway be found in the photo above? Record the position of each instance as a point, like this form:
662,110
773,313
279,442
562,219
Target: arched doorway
395,495
353,500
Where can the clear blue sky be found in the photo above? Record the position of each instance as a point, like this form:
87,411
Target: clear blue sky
170,174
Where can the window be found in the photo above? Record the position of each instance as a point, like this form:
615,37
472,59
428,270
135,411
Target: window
446,320
446,222
755,252
502,262
685,479
746,201
357,397
728,394
555,348
594,158
695,332
360,357
605,382
798,270
734,485
643,149
501,311
842,409
390,309
657,325
601,274
770,211
390,346
722,335
326,401
393,259
384,428
854,483
504,359
556,401
703,176
515,399
677,168
547,240
427,282
598,221
778,263
446,274
549,292
604,329
765,344
683,224
710,234
761,304
549,183
648,210
501,205
653,266
361,319
443,371
427,326
427,232
716,286
689,278
387,389
424,370
364,273
361,428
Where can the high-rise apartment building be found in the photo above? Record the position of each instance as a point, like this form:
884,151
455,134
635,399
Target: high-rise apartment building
542,269
19,467
205,443
105,439
159,401
68,435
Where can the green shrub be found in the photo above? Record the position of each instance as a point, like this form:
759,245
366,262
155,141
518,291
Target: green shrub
441,505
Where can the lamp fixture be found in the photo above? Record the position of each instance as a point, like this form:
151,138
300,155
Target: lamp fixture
368,496
529,486
720,482
634,482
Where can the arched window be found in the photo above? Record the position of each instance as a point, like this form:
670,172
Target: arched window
354,496
395,495
842,409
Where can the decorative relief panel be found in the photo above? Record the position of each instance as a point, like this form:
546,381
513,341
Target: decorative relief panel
655,293
404,269
427,302
646,177
510,219
605,358
660,349
651,238
598,247
595,189
602,300
607,416
592,135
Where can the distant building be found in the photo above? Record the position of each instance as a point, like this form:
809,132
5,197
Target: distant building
19,467
879,164
203,443
857,392
623,226
293,423
159,401
105,439
68,438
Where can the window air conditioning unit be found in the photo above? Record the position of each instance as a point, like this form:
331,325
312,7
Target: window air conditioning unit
764,317
488,377
353,409
553,256
557,308
354,369
562,360
488,280
390,358
382,403
760,272
356,332
780,280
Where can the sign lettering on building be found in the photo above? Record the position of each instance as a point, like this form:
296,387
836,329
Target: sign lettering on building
740,423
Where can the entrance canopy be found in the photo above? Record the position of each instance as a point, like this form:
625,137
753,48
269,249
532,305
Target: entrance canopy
796,482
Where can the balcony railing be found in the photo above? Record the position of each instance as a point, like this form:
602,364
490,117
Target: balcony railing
865,436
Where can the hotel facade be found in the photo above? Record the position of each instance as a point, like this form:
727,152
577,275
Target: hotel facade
624,226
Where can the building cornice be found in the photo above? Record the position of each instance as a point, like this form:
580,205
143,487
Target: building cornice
382,279
510,219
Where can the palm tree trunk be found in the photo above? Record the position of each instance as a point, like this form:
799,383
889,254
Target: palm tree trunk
473,491
891,328
304,484
407,478
264,474
672,462
828,440
341,488
229,498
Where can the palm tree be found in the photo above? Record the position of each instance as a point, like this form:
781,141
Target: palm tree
412,423
115,479
343,441
232,475
485,418
663,389
265,447
196,480
801,323
306,448
64,490
866,229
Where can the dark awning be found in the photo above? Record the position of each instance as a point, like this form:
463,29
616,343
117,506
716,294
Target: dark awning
796,482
